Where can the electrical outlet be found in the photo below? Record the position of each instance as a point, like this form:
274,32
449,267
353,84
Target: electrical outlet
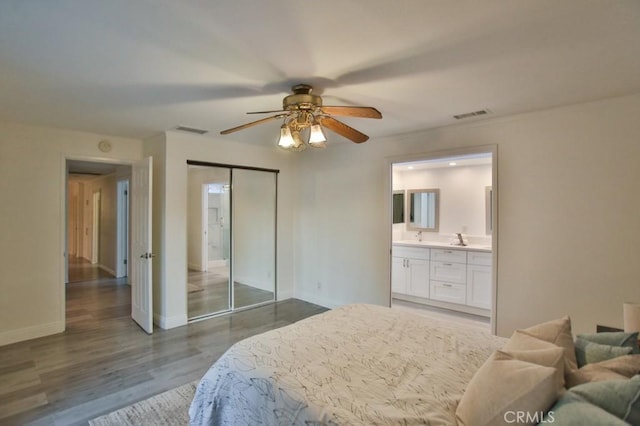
319,285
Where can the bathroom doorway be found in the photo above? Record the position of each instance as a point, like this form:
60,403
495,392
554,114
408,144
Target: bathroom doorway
443,231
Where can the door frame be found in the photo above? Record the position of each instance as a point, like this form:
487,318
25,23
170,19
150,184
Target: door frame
64,174
96,207
493,149
122,224
204,229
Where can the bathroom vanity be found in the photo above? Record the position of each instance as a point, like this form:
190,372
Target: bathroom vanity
443,275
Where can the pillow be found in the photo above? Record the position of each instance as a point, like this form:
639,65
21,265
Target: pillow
503,385
627,365
619,368
591,373
572,410
520,340
617,338
618,397
588,352
550,357
557,332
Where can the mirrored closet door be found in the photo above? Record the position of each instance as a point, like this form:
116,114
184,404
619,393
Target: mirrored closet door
231,238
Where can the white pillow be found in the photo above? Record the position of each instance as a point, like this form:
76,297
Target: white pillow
512,382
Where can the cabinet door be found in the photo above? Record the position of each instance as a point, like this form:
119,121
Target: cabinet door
479,286
398,275
418,281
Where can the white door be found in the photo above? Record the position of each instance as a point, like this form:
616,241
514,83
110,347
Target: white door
141,257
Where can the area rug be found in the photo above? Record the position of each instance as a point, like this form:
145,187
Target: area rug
168,408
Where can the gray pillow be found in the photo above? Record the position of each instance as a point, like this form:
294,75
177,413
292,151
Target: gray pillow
618,397
588,352
572,410
616,338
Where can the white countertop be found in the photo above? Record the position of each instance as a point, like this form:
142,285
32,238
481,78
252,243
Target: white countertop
438,244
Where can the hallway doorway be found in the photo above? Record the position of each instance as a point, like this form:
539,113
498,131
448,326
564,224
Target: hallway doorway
97,224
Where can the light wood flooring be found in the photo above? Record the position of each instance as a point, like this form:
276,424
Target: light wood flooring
466,320
104,361
209,293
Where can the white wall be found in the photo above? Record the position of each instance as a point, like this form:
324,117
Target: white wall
170,205
568,180
462,197
32,186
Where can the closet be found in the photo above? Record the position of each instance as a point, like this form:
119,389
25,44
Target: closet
231,237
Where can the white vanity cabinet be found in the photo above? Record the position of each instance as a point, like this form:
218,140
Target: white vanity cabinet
479,280
410,271
458,278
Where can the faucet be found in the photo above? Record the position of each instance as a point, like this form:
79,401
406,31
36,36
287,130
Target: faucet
460,240
419,235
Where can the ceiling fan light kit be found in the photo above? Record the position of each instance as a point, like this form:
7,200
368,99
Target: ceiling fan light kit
303,112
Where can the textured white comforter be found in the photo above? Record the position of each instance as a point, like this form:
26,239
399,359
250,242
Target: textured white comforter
358,364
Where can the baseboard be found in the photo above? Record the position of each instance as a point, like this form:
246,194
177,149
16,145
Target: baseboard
195,267
107,269
284,295
33,332
316,299
260,285
166,323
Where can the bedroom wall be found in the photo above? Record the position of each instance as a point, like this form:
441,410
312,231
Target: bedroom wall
32,187
568,208
170,205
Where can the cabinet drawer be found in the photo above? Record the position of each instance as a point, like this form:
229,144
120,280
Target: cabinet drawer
448,292
449,272
443,255
410,252
479,258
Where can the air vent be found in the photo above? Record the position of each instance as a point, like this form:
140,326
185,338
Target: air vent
192,130
471,114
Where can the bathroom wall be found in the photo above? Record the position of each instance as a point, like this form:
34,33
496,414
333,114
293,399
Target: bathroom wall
462,199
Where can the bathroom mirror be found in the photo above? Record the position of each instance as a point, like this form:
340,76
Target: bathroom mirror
423,209
398,206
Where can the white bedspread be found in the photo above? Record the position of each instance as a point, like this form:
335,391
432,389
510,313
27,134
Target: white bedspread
358,364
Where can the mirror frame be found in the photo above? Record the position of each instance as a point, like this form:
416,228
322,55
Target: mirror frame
488,205
436,226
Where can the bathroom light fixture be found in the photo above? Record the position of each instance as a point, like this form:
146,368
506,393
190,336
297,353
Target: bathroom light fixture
453,163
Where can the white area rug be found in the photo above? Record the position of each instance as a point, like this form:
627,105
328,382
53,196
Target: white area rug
168,408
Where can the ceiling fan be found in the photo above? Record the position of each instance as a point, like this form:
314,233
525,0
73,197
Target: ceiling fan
303,111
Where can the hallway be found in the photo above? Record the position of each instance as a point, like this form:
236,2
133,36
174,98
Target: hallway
81,269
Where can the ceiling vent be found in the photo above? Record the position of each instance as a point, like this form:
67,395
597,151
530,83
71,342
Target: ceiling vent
192,130
471,114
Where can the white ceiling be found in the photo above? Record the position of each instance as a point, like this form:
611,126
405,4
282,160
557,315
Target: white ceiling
138,67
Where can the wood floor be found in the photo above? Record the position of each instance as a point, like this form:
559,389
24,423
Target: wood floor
104,361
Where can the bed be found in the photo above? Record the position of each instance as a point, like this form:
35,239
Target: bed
357,364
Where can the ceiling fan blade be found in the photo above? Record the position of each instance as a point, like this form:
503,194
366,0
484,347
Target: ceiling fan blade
253,123
353,111
267,112
343,130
